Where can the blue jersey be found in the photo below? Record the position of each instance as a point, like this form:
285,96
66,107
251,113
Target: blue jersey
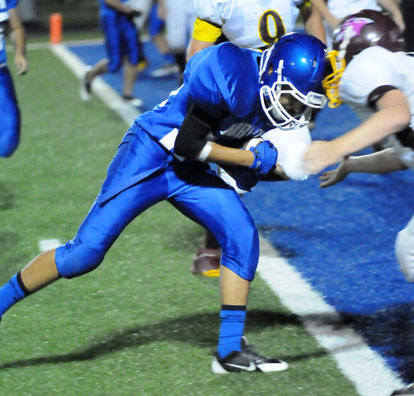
5,6
223,81
107,10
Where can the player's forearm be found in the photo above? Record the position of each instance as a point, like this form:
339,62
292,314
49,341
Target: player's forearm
18,33
195,46
383,161
323,10
314,25
380,125
226,155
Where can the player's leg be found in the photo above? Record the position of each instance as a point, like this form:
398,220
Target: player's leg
207,257
156,32
213,204
176,33
112,63
9,115
101,227
132,51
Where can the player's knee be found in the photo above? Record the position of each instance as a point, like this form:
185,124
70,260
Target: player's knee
241,254
75,259
404,251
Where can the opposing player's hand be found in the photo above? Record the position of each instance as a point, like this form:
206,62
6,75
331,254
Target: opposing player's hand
320,155
21,64
265,158
333,176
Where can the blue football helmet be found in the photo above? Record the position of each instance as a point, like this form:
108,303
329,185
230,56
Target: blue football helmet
290,79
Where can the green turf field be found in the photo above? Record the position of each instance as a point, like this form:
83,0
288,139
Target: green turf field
141,324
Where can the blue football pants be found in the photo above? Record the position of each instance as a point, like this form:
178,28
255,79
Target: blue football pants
121,40
191,187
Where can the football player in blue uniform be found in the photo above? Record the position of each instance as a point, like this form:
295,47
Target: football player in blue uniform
248,24
229,94
10,120
123,47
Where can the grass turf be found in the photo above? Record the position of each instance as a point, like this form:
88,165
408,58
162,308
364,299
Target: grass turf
140,324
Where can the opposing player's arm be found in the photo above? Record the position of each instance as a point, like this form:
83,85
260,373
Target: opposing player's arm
323,9
313,20
19,42
383,161
393,115
204,35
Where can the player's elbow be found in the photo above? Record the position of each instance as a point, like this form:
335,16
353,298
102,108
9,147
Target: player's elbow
188,147
405,116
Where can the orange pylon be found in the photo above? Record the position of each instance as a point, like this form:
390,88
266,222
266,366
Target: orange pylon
55,25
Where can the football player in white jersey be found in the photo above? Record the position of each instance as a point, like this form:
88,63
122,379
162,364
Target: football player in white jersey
250,24
365,41
179,18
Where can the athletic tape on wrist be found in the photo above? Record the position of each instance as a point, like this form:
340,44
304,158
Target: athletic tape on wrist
204,153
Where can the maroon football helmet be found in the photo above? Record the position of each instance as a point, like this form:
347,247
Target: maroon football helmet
363,29
367,28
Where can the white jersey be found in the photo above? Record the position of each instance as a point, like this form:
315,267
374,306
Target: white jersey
342,8
144,6
250,23
360,80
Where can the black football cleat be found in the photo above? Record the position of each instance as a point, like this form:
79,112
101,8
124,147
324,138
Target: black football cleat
407,391
246,360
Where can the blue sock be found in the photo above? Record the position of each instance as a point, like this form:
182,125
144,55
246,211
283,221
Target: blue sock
12,292
231,329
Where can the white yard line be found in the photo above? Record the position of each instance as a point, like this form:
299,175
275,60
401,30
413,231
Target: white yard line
47,45
100,88
365,368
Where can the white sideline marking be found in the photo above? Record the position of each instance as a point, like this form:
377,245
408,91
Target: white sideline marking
100,88
48,244
365,368
46,45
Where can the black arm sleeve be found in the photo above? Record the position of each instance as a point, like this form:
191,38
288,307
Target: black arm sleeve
192,136
377,94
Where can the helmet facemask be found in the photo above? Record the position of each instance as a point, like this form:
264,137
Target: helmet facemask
331,82
284,105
